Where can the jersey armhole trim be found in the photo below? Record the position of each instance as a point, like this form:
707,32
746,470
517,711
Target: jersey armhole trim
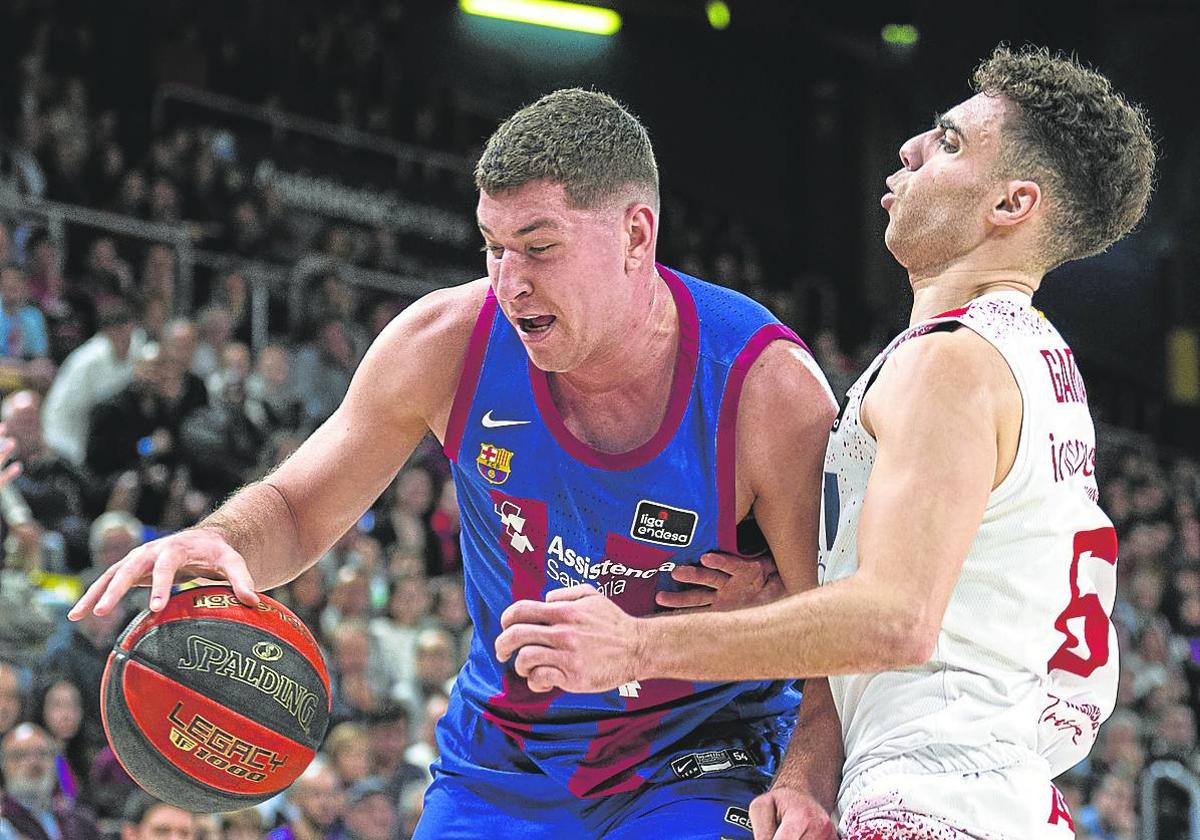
727,429
468,380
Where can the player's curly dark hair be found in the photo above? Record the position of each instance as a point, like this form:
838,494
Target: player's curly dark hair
582,139
1089,149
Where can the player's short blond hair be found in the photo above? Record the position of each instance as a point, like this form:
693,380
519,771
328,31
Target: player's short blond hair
585,140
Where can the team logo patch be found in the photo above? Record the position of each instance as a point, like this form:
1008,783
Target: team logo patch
701,764
494,463
739,817
658,523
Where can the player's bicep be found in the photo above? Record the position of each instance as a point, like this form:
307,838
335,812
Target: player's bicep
406,379
933,414
783,428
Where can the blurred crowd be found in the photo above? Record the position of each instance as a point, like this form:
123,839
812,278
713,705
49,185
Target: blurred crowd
133,420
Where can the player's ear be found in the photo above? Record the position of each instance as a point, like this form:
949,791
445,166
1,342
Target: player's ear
640,225
1018,201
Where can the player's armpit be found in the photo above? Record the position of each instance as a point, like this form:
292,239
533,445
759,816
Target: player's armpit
938,410
784,418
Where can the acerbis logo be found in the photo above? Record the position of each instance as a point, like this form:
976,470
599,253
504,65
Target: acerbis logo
739,817
658,523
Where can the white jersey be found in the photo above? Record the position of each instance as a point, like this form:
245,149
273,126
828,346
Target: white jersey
1025,666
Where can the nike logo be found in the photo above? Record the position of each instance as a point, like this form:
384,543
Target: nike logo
489,423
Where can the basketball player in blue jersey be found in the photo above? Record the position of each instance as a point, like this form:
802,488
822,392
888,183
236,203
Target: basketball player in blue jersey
968,570
609,421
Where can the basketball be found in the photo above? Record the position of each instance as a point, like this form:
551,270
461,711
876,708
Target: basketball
211,705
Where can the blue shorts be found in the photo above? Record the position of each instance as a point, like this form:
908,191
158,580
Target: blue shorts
703,790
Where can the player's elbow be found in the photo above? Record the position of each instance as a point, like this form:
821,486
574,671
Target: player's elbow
909,637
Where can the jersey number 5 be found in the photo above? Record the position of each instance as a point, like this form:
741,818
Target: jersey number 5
1100,544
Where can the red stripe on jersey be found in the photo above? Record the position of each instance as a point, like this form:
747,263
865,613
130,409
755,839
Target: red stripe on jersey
523,537
469,378
727,429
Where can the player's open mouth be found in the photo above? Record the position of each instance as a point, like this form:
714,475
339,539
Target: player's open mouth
537,324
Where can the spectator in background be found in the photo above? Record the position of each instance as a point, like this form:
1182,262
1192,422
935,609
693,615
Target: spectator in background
388,734
80,657
407,525
425,751
220,443
354,693
214,331
370,811
412,805
271,400
147,818
317,802
24,341
61,497
349,752
108,276
70,311
132,425
182,390
97,370
27,758
242,825
236,363
113,535
322,371
11,700
445,526
1110,814
450,609
58,708
158,277
394,635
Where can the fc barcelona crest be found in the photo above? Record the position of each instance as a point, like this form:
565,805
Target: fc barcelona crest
494,463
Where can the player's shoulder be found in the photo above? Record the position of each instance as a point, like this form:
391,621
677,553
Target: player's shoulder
440,321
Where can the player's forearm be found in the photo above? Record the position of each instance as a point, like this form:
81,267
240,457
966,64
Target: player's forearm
258,523
815,756
849,627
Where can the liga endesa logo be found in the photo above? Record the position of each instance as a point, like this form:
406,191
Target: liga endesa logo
658,523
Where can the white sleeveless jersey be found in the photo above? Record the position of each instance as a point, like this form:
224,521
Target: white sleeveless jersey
1026,660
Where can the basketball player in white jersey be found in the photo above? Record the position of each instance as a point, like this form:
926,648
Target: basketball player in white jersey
968,571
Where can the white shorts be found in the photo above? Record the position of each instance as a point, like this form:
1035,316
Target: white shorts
1011,803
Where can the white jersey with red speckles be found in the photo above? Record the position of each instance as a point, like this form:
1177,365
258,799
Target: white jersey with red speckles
1025,666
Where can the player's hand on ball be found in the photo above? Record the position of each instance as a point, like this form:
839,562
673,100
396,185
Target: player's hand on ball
194,553
785,813
725,582
576,640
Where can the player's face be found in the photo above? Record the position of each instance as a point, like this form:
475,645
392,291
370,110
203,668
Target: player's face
938,200
557,272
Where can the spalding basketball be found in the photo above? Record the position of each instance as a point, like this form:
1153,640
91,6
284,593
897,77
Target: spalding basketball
214,706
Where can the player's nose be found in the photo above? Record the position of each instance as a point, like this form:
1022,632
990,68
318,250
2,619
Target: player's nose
512,280
910,153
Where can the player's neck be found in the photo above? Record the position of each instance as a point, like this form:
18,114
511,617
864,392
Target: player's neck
955,287
639,360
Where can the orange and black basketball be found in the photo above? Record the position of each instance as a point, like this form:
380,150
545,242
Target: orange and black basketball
213,706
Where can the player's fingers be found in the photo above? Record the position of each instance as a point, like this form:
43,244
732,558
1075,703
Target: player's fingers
572,593
762,817
89,598
532,657
526,612
234,567
518,635
162,578
546,678
699,576
750,567
806,827
689,599
131,571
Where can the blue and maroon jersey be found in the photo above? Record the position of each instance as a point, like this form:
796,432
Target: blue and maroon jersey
542,510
